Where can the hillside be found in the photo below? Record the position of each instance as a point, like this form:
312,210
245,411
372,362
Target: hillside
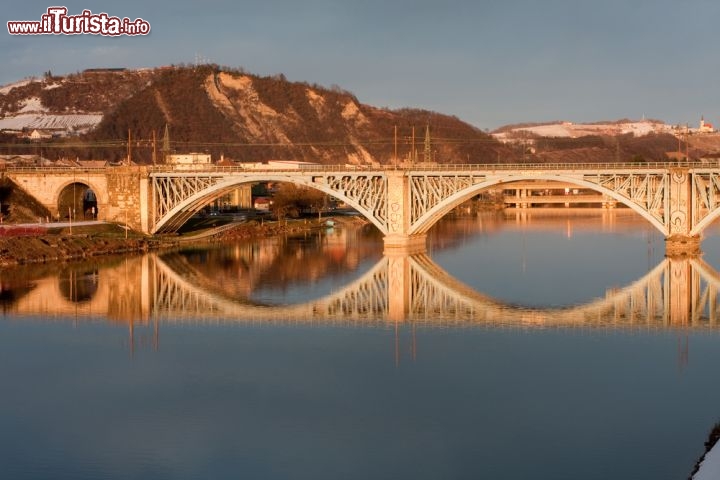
227,113
603,142
238,116
73,104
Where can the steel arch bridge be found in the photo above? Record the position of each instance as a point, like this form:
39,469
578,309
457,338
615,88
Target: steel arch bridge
679,200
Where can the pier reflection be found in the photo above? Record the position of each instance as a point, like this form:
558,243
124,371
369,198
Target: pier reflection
168,288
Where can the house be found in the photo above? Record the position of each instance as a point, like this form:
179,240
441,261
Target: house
189,161
262,204
37,135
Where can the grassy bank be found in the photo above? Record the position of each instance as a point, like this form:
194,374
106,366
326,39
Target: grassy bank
109,239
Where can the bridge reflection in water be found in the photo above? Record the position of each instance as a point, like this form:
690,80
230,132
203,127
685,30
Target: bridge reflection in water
678,292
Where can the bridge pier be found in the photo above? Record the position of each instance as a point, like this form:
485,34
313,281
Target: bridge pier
682,245
681,206
397,240
396,244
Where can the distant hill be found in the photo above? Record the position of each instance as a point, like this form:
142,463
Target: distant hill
227,113
606,142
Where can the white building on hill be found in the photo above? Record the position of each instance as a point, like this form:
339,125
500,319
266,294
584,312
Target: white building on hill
705,127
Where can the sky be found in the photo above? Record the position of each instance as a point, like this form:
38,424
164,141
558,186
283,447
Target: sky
490,63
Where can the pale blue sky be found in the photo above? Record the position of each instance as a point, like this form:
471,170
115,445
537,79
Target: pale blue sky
487,62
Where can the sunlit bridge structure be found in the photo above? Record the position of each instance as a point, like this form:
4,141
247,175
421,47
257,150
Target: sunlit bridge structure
404,204
679,200
677,293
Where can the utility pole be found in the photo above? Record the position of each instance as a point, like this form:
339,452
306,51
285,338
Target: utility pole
166,144
427,152
129,149
395,158
412,149
154,154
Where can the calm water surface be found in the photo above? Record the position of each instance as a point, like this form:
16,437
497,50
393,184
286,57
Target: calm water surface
219,363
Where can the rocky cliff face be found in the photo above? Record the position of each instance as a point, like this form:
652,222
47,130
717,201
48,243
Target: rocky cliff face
232,114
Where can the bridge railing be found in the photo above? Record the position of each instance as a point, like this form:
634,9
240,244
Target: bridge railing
452,167
52,169
439,167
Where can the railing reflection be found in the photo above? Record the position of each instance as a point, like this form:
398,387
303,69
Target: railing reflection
678,292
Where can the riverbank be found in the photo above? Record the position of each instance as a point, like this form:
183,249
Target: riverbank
62,245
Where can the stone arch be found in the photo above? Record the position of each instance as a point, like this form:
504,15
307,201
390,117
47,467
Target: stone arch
184,210
427,220
100,195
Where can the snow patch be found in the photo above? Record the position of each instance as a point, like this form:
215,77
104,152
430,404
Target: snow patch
548,130
567,129
50,122
32,105
710,466
5,89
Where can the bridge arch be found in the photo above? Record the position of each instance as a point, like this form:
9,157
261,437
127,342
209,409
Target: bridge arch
61,193
705,222
177,215
422,224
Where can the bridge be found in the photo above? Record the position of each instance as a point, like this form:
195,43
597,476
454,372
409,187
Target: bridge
680,200
677,293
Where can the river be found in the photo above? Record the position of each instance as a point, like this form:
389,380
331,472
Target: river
538,344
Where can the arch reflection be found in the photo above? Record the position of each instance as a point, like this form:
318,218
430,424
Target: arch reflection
78,285
677,292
